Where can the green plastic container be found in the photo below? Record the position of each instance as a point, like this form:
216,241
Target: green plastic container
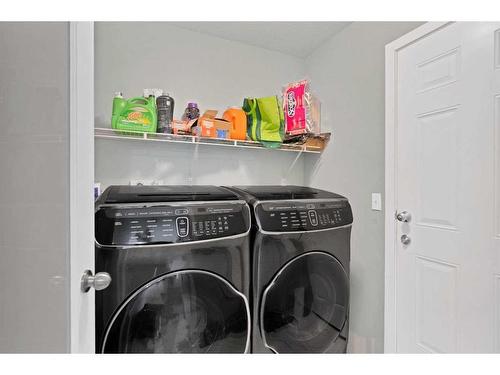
136,114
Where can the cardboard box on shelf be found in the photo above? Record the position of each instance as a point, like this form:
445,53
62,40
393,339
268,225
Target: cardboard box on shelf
213,127
318,141
181,127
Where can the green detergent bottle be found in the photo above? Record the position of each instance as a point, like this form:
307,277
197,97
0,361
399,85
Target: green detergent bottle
136,114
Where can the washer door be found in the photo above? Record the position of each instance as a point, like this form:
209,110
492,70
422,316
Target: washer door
189,311
305,307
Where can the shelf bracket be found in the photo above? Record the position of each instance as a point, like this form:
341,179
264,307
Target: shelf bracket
284,178
314,169
194,162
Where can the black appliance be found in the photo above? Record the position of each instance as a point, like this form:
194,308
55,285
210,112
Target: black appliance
179,261
300,269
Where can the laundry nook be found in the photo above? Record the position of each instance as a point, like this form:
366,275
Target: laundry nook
252,188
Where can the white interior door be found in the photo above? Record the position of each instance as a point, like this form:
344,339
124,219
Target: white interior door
446,279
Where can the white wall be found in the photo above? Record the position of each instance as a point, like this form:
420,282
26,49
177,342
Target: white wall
191,66
347,73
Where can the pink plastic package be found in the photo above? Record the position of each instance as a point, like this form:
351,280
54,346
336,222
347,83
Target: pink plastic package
301,108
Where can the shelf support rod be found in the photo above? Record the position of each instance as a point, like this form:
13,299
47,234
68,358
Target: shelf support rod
284,178
194,162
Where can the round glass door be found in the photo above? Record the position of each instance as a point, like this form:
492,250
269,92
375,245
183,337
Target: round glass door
305,306
181,312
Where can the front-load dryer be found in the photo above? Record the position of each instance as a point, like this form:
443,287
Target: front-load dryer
300,261
179,260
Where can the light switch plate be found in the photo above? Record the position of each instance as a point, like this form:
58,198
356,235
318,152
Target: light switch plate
376,201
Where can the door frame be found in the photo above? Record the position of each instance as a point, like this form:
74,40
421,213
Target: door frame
391,127
81,196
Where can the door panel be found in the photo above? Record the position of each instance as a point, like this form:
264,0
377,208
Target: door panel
445,140
438,71
496,323
497,163
497,49
437,169
436,279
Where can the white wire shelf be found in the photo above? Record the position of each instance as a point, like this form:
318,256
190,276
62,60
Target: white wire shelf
108,133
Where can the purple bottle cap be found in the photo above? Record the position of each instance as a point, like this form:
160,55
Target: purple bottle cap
192,105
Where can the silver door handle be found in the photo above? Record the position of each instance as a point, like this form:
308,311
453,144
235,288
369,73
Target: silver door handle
403,216
405,240
99,281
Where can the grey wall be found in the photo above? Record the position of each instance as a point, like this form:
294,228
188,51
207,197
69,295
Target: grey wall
347,73
191,66
34,187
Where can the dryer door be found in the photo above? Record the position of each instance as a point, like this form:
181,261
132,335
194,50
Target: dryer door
189,311
305,307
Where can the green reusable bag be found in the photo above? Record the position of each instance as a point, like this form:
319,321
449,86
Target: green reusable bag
265,120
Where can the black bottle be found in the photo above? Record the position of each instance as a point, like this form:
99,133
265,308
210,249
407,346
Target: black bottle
165,108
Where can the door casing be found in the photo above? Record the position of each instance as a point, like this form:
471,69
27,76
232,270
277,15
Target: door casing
82,308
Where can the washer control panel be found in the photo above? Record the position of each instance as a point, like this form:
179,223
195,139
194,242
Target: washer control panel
126,225
290,216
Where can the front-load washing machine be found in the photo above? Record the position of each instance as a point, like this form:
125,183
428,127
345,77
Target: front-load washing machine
300,261
179,260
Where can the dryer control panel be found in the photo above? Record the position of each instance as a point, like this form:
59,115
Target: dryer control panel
291,216
164,224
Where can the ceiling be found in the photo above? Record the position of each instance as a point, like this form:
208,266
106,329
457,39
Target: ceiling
298,39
